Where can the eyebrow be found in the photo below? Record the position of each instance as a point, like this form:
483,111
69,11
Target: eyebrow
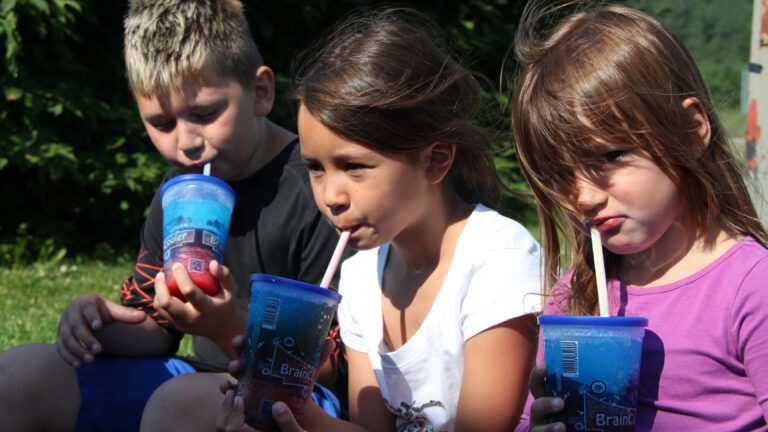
154,117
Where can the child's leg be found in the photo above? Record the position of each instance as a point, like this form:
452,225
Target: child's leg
38,390
193,402
188,402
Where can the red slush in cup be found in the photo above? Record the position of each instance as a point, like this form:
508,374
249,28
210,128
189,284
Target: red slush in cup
196,213
288,322
593,363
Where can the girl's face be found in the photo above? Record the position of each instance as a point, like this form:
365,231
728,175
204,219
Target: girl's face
377,196
631,200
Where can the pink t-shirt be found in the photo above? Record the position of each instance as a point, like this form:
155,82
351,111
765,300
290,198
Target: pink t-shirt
705,351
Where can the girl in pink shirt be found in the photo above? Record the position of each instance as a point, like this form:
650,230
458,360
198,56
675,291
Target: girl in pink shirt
615,128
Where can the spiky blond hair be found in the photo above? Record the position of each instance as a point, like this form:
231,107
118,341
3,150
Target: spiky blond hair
170,43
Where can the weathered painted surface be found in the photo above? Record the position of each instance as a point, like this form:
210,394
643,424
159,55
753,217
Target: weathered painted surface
755,137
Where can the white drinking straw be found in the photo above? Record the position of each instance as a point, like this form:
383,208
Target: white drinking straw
335,259
602,289
207,169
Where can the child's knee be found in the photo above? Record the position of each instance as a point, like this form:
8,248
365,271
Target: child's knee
36,365
34,376
188,390
186,402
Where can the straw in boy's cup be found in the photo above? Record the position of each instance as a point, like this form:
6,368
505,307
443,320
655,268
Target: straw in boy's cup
593,363
196,215
288,322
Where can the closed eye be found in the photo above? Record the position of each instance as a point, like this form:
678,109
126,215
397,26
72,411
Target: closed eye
313,168
207,117
163,125
614,155
354,167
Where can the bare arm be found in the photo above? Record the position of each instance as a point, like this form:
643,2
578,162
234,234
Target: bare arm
139,340
92,325
366,406
497,362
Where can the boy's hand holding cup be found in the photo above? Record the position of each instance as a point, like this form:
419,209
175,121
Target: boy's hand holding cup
217,316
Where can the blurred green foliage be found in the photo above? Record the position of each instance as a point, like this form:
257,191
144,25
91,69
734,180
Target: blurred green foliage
78,170
75,167
717,33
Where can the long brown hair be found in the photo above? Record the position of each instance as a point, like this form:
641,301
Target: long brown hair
614,74
383,79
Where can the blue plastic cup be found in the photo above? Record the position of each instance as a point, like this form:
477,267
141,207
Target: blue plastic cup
196,214
593,363
288,322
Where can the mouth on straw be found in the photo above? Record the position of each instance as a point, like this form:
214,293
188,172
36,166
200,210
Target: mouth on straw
335,259
602,289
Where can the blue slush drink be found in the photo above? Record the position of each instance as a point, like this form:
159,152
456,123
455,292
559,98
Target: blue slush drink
196,214
593,363
288,323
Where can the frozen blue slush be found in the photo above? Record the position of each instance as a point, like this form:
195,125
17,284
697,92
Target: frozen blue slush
288,323
196,213
593,363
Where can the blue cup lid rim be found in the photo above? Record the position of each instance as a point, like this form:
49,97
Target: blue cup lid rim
198,177
572,320
315,289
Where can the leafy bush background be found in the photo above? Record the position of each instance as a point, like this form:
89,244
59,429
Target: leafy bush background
77,170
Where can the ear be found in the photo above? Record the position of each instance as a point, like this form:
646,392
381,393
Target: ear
696,109
437,160
263,88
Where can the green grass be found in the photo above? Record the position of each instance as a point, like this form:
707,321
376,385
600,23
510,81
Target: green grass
734,121
33,297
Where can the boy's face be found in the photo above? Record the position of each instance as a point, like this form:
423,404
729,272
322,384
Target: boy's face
217,121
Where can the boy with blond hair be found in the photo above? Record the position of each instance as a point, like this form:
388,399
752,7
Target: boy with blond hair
203,94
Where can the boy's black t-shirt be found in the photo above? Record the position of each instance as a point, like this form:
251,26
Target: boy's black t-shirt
275,229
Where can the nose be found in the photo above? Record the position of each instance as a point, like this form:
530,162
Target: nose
335,194
589,196
190,140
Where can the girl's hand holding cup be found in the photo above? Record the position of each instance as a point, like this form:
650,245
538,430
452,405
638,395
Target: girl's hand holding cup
232,415
544,406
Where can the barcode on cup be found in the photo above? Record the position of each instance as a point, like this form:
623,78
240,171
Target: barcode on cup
271,309
569,350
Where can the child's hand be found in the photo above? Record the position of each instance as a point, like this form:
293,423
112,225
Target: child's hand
284,418
237,345
75,340
217,317
543,405
232,415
